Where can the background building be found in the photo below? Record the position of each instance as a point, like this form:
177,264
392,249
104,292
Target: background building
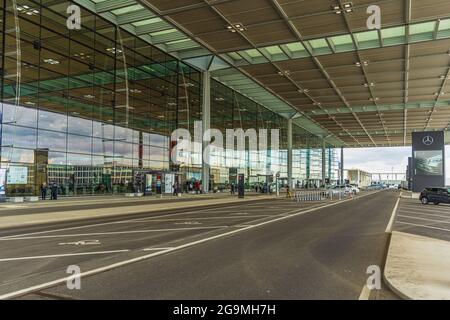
359,177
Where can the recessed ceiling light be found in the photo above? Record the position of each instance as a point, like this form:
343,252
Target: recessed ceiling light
135,91
161,116
236,27
187,84
344,8
89,96
113,50
27,10
284,73
51,61
369,84
219,99
364,63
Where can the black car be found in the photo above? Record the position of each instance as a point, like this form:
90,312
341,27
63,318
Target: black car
435,195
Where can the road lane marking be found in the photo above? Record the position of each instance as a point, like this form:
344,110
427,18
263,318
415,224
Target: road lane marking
423,226
421,209
365,293
184,246
62,255
202,218
110,233
422,214
425,219
188,223
162,215
392,219
81,243
157,249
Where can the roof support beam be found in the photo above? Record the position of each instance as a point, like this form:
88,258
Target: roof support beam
374,98
407,64
296,32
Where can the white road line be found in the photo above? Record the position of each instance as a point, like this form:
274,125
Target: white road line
425,219
426,208
157,249
432,212
423,226
203,218
62,255
155,254
421,209
392,219
162,215
422,214
110,233
365,293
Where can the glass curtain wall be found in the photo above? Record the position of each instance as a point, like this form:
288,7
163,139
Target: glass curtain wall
88,109
85,108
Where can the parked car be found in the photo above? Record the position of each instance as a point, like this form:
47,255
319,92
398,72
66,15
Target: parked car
346,189
354,189
393,186
435,195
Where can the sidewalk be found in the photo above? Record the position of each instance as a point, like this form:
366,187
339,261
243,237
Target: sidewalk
418,267
28,214
418,261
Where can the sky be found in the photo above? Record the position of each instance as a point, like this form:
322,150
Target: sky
385,160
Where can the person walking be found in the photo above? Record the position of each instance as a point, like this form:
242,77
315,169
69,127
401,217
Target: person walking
232,189
43,191
175,189
54,190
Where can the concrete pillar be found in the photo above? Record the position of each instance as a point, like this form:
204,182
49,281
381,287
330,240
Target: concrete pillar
206,122
324,162
342,166
289,152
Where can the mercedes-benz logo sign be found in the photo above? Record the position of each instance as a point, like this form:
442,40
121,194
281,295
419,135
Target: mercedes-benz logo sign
428,140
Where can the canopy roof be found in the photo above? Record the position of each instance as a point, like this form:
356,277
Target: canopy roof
312,60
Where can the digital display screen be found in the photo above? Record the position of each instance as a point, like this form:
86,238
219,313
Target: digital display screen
429,163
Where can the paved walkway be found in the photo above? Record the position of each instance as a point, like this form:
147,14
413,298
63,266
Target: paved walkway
417,265
27,214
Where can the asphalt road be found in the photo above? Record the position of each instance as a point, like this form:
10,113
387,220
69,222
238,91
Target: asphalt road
322,254
92,204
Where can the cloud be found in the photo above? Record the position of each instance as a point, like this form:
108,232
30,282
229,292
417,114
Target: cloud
378,160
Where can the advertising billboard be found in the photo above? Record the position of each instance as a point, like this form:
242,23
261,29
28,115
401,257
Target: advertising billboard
17,175
428,163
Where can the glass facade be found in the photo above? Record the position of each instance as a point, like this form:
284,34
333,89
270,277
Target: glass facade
89,108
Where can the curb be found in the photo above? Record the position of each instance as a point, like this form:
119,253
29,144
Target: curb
386,279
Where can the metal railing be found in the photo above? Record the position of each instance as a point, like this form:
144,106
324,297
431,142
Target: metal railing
320,195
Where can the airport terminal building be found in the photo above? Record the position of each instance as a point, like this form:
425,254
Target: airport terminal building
93,108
